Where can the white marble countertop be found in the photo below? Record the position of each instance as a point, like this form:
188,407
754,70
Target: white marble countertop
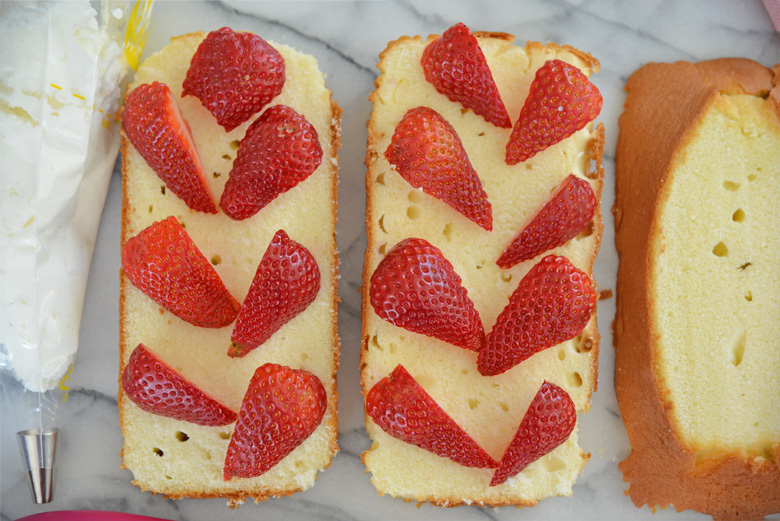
346,38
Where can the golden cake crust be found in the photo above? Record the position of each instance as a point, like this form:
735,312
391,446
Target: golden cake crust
664,102
257,493
374,156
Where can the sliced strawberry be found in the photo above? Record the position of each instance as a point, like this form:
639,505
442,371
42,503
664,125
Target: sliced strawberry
157,388
402,408
428,153
455,64
547,423
285,283
415,287
280,149
281,408
552,304
564,215
234,75
560,102
164,263
155,126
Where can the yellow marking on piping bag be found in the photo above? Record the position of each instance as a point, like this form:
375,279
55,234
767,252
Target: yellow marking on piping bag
64,387
135,33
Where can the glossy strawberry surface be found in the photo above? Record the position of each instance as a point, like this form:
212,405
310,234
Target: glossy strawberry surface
402,408
415,287
427,152
159,389
234,75
563,216
280,150
548,422
561,101
456,66
164,263
281,408
287,280
153,123
552,304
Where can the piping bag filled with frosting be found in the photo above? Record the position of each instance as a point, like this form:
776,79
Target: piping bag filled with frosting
59,141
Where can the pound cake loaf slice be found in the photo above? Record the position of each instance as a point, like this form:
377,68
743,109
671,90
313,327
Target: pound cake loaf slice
266,269
698,313
445,396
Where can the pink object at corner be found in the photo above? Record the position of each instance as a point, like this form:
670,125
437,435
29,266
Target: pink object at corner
87,515
773,7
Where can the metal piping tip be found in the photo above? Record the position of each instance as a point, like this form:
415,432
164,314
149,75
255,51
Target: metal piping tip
38,451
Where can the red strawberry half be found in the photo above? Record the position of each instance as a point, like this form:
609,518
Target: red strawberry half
281,408
280,149
560,102
547,423
455,64
402,408
563,216
552,304
428,153
164,263
156,128
157,388
285,283
234,75
415,287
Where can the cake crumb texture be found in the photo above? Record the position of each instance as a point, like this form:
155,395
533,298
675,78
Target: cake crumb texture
489,409
698,293
180,459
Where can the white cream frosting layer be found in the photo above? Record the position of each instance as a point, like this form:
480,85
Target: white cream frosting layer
59,84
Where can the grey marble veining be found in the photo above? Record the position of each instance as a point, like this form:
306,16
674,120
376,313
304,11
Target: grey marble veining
346,38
